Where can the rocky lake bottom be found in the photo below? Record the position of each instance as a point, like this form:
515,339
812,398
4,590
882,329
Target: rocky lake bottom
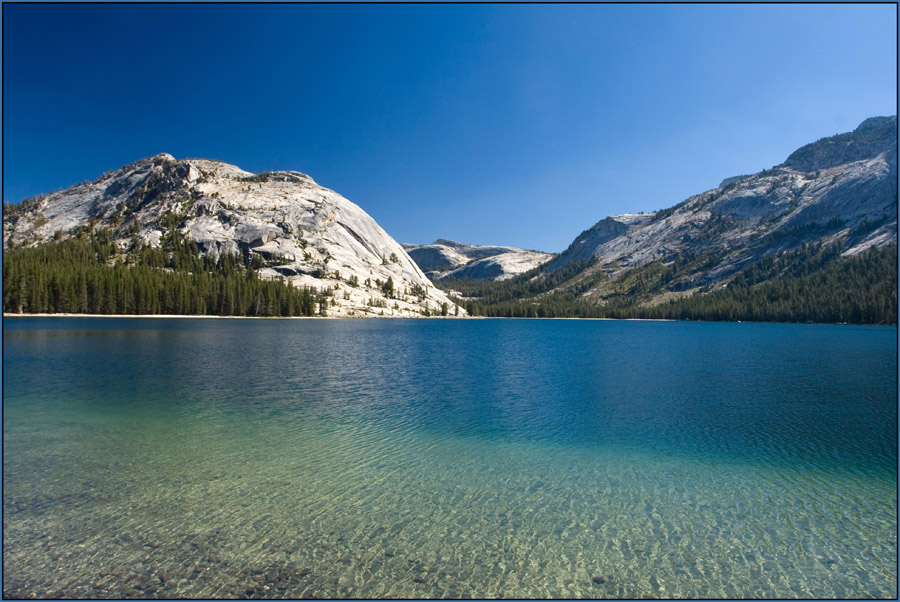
448,459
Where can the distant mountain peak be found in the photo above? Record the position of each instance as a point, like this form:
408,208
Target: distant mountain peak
450,243
873,123
449,259
872,137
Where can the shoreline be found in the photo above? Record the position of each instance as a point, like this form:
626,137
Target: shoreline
166,316
363,317
376,317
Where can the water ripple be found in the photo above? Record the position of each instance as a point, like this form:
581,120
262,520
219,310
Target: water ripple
449,459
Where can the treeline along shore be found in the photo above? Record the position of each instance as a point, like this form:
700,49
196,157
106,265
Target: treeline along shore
89,274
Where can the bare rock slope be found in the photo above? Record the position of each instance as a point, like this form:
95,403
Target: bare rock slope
299,230
838,189
448,259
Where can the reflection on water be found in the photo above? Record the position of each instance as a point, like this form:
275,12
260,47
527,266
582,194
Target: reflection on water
230,458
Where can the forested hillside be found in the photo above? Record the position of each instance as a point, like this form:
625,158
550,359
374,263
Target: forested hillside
813,239
811,284
280,224
87,273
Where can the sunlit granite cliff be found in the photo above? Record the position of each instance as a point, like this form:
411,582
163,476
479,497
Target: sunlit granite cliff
293,227
838,189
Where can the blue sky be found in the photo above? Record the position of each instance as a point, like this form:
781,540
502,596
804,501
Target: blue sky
492,124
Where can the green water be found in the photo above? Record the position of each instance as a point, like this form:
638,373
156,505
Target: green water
421,459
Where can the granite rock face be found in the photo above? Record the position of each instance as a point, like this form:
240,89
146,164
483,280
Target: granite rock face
305,233
870,139
448,259
838,189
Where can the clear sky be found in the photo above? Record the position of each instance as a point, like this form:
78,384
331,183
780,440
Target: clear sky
492,124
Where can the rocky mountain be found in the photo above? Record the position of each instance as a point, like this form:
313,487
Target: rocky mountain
761,246
841,189
448,259
281,222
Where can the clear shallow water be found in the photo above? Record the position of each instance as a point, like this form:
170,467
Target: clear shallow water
479,458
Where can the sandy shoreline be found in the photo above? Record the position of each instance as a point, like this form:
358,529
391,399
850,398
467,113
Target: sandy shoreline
413,317
10,315
159,316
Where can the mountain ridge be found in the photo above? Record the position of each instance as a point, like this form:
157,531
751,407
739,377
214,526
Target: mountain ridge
841,204
281,221
839,192
446,259
828,200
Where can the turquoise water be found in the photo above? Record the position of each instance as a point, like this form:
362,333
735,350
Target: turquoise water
444,458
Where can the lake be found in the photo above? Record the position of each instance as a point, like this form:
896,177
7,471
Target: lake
448,458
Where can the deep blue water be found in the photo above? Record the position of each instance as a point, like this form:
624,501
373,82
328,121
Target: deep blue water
448,458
